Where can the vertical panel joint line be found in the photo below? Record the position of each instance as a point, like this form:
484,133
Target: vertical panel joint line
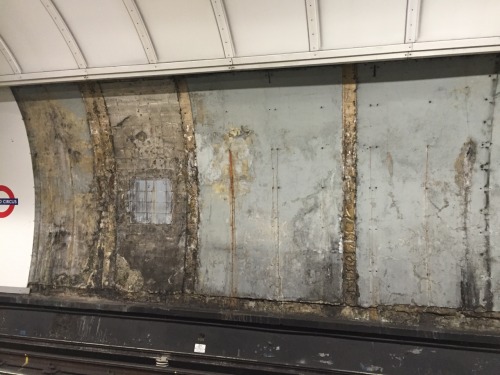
142,31
223,25
66,33
9,56
349,159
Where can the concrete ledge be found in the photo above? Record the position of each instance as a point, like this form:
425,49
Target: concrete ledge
14,290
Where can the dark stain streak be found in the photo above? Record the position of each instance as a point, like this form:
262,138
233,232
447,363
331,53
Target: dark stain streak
468,289
464,166
119,124
485,167
141,136
232,224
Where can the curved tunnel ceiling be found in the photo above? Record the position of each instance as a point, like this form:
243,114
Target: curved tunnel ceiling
67,40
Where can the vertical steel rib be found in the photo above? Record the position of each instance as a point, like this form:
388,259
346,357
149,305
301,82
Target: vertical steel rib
142,30
9,56
66,33
313,25
223,25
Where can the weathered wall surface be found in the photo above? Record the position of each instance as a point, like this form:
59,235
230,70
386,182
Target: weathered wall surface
237,190
269,162
92,145
149,146
66,214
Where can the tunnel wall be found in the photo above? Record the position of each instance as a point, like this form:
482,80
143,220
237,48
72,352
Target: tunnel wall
365,192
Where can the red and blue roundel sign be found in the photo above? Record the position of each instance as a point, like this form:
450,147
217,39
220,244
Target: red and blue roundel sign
10,202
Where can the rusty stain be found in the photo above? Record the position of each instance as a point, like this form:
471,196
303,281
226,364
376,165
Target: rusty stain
390,164
232,201
239,140
191,178
349,158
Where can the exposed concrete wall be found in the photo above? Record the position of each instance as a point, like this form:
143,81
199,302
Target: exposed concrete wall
272,162
90,144
149,144
66,212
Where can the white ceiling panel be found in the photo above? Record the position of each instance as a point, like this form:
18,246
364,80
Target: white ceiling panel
33,37
268,27
458,19
361,23
104,31
72,40
4,66
182,30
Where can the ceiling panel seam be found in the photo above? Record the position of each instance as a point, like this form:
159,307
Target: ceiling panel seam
223,25
313,25
353,55
9,56
66,33
412,20
142,30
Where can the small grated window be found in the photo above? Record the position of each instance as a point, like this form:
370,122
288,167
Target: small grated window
151,201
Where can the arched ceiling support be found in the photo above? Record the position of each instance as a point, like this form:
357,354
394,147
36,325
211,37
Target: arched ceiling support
142,31
412,20
223,24
313,25
9,57
66,33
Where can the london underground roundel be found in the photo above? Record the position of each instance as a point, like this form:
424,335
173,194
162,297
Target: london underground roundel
10,202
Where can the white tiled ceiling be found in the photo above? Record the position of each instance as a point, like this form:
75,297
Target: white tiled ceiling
4,66
361,23
79,39
33,37
182,30
458,19
104,31
268,27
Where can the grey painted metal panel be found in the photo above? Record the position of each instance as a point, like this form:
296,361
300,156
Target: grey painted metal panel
424,138
283,131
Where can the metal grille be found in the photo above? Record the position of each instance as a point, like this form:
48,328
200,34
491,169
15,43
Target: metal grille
151,201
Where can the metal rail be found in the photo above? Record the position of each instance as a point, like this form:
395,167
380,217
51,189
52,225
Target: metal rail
77,339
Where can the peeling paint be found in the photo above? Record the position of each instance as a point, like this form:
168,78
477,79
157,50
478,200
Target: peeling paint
105,175
191,177
372,368
349,143
127,279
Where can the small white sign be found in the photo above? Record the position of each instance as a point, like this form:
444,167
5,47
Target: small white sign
199,348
